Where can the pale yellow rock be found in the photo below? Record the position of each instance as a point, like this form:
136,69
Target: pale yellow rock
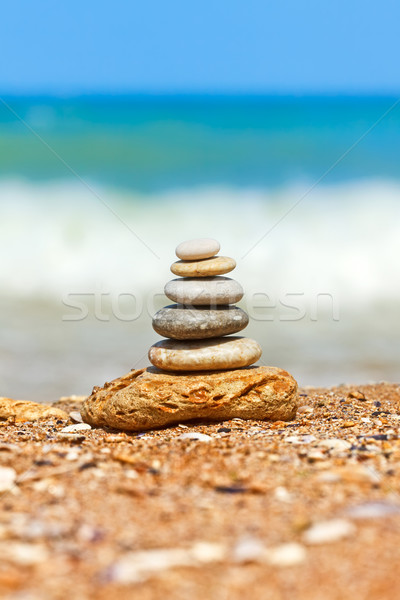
23,410
149,398
230,352
208,267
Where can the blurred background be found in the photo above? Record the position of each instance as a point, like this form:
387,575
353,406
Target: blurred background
273,127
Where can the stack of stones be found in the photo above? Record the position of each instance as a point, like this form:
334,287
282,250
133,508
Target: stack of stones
199,325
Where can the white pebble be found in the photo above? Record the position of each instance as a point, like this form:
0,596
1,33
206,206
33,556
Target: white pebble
72,455
200,437
76,416
325,532
75,428
248,549
335,444
373,510
139,566
206,552
7,478
329,477
286,555
197,249
305,409
300,439
282,494
23,554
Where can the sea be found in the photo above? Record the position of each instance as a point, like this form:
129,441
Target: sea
97,191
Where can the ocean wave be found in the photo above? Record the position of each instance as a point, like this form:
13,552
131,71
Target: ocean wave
62,238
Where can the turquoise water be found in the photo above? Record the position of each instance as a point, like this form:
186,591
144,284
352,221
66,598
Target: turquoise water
96,192
154,143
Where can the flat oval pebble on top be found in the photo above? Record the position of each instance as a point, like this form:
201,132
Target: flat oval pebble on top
197,249
217,265
205,291
205,355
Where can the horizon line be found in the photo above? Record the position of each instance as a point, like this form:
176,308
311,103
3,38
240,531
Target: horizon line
154,94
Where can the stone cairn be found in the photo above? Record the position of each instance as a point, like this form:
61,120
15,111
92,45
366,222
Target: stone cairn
198,327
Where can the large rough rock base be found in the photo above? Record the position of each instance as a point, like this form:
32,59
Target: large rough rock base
150,398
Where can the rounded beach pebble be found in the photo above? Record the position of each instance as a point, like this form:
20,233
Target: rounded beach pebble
216,353
185,323
217,265
197,249
204,291
148,399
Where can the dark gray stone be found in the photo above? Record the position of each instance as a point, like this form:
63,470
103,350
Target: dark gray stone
182,323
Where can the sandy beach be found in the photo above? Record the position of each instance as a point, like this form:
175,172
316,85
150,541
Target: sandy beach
200,207
302,509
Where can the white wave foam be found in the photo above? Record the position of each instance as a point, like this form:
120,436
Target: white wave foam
59,238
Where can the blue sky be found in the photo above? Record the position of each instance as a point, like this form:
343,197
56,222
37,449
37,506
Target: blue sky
283,46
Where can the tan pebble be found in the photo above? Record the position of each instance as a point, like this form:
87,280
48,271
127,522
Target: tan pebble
273,458
217,265
301,523
73,398
109,439
131,459
231,352
279,425
357,395
6,447
356,474
21,410
348,424
329,477
75,438
316,456
387,447
129,488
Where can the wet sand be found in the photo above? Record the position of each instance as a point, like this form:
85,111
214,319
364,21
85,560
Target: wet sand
306,509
